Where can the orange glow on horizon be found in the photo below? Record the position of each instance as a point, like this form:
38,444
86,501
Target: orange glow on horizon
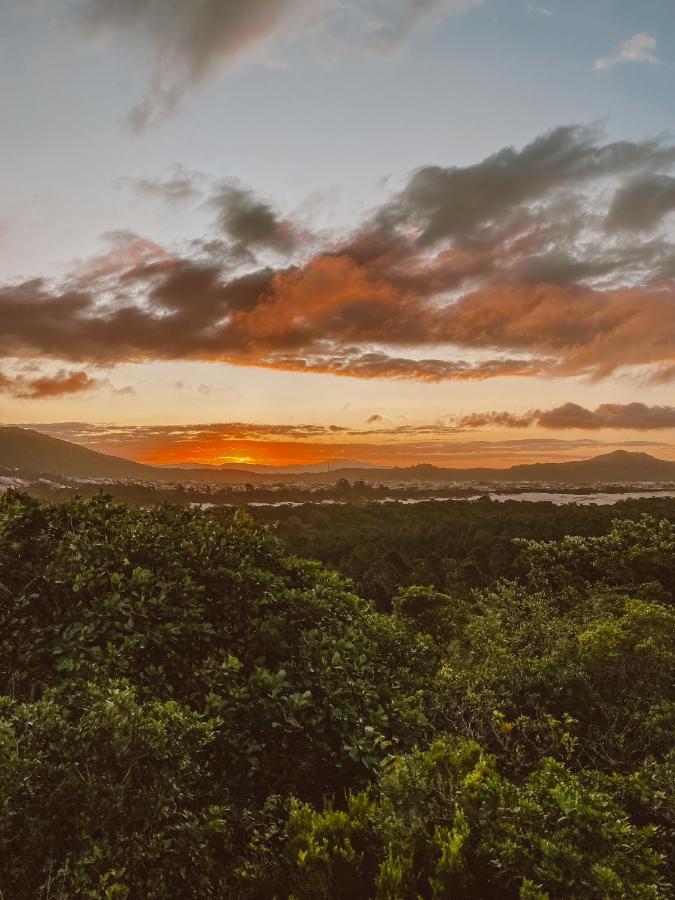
217,451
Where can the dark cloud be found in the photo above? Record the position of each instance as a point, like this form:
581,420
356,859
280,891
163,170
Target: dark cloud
497,419
642,203
473,203
630,261
636,416
247,222
324,316
632,416
587,331
251,223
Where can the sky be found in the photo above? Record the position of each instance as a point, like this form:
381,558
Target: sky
284,231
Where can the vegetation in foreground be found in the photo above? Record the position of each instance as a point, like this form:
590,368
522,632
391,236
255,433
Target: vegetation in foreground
189,711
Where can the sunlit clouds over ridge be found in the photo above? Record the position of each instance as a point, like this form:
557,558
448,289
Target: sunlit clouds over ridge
451,439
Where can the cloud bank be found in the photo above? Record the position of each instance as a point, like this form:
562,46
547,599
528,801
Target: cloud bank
531,262
620,416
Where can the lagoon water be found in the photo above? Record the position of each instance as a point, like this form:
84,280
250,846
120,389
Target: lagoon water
599,499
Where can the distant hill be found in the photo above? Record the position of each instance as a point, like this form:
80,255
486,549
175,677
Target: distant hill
619,465
28,452
33,452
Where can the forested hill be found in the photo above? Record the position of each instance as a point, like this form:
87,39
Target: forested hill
188,710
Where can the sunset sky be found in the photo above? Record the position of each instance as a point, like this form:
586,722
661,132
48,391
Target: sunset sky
285,231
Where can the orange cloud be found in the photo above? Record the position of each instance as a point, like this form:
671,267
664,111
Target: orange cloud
45,386
484,271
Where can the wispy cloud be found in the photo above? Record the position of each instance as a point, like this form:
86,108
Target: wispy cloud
193,42
640,47
179,186
539,11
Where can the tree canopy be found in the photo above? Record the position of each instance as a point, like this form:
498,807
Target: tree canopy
187,709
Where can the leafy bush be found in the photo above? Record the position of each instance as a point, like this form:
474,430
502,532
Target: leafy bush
444,823
596,684
639,555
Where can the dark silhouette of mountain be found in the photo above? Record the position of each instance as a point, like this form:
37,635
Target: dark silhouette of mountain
619,465
26,452
32,452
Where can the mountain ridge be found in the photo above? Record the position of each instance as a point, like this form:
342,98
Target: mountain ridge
31,452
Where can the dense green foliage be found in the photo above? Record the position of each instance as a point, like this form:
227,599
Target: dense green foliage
187,710
453,546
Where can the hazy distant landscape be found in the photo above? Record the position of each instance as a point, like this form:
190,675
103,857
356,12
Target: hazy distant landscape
30,456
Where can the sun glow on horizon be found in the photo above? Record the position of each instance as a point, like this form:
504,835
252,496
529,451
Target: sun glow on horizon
219,460
499,450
